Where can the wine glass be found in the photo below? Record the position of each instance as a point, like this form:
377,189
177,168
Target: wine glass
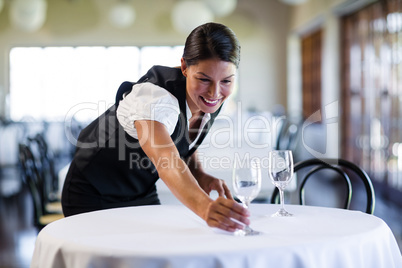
246,186
281,173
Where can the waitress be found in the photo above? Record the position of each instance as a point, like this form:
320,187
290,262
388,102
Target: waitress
153,132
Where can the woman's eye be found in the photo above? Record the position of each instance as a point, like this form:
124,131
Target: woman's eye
226,81
204,80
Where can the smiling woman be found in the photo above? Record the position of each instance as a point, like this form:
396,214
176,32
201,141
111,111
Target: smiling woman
159,122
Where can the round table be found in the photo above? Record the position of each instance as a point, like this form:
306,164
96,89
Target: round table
173,236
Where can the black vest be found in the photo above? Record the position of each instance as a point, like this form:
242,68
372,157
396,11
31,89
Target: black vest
113,162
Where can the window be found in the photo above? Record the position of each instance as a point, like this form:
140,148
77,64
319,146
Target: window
371,92
51,83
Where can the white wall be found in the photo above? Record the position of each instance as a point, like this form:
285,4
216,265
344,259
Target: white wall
261,27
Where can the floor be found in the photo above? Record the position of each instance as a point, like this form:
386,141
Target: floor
17,233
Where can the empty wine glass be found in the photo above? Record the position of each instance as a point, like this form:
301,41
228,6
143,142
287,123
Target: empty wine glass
281,173
246,186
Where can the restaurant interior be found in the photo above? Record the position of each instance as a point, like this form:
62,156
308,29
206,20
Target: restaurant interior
322,78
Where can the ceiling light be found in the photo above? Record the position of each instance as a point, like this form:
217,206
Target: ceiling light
122,15
28,15
221,8
187,15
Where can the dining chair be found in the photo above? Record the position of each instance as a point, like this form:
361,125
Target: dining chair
46,165
31,175
345,171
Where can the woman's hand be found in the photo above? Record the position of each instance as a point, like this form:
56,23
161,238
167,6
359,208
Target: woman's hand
223,212
209,183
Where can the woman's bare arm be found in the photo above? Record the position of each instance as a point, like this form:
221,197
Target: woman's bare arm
160,148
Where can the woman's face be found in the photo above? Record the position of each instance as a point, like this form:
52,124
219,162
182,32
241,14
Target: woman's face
209,83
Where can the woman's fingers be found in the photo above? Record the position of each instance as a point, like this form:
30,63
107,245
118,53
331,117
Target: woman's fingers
227,192
228,215
222,189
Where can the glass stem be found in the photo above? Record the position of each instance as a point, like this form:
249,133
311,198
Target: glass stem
282,198
246,203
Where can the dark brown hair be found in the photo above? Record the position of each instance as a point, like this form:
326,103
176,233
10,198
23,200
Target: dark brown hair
212,40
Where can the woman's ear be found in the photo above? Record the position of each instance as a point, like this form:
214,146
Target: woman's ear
183,67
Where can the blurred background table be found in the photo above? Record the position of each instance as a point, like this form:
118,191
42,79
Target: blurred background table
173,236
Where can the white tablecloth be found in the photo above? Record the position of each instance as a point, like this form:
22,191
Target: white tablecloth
173,236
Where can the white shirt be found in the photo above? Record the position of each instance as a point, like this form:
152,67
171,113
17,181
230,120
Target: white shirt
147,101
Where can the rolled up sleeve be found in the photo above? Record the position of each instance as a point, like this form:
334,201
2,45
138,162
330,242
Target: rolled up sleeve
147,101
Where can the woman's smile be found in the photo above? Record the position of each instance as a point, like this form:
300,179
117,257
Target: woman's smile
209,84
210,102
